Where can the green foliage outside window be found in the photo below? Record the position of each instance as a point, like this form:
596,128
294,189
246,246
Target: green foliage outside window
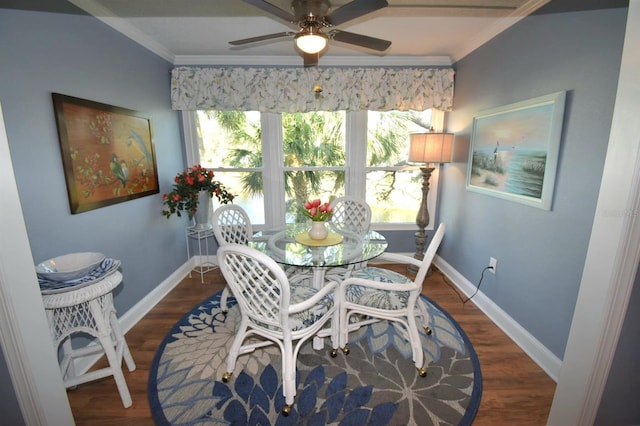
316,140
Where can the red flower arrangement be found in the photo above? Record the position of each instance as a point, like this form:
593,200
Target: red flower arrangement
188,184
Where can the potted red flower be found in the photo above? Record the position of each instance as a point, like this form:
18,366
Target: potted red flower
189,187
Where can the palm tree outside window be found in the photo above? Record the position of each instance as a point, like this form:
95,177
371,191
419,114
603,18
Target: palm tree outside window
293,157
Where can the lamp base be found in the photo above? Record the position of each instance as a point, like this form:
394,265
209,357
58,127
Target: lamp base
421,240
422,219
414,270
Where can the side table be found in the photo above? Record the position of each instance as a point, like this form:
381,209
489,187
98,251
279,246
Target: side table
90,310
202,237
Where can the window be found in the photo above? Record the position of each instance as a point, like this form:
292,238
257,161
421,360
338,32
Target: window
314,158
290,158
230,142
393,187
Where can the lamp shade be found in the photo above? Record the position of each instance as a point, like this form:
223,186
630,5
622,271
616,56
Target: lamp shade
311,42
431,147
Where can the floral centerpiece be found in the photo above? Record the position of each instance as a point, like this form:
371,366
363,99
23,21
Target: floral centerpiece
317,211
186,188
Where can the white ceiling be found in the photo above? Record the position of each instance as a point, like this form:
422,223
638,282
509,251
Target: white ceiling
422,32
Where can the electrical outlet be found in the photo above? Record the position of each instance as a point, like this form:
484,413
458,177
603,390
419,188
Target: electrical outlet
493,263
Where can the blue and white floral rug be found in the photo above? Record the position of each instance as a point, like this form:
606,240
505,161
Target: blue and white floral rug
376,384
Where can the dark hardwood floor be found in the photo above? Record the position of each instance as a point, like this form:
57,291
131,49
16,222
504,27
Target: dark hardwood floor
515,390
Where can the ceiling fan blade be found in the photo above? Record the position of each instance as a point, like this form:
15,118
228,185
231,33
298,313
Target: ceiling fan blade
274,10
261,38
311,59
354,10
360,40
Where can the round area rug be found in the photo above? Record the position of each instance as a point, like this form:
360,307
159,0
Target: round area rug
376,384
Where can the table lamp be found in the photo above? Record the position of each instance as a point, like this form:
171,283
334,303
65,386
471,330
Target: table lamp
430,148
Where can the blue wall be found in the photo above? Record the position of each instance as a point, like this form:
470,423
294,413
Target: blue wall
80,56
540,253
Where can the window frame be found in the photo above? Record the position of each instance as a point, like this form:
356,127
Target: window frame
355,164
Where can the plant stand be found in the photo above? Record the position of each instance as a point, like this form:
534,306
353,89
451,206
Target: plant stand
203,265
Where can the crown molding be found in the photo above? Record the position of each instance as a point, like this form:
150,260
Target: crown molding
295,60
122,26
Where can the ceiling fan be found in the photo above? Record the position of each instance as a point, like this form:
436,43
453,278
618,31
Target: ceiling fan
312,16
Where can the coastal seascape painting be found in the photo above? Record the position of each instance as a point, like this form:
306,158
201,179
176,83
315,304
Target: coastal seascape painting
514,150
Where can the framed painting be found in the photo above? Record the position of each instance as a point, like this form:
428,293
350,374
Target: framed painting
107,153
514,150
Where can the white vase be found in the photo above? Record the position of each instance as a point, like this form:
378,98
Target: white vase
203,212
318,231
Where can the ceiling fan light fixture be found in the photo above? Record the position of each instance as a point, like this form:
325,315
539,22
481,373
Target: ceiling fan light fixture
314,15
311,40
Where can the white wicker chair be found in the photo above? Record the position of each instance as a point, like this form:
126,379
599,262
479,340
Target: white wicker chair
350,216
373,294
279,312
231,225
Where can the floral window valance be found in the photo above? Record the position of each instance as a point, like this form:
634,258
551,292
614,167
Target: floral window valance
292,89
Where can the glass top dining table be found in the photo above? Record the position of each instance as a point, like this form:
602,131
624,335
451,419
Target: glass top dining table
290,245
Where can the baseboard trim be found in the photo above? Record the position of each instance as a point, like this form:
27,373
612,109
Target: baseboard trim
142,308
521,337
529,344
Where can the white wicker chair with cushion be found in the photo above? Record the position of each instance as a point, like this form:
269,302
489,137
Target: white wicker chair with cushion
231,225
279,312
350,216
372,294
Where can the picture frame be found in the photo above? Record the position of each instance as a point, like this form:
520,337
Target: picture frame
107,153
514,149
